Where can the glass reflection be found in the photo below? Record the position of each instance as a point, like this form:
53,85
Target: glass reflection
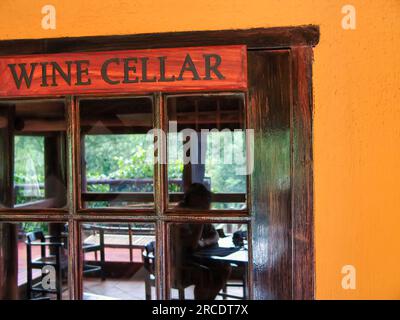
33,139
34,261
117,148
208,261
207,145
119,261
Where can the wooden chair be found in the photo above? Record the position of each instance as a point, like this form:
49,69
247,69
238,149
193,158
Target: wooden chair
150,280
88,247
149,265
237,280
54,258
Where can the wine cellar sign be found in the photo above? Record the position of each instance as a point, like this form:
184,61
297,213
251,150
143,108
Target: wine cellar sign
137,71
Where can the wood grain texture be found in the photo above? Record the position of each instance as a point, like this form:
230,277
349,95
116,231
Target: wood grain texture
302,175
8,262
6,156
256,38
171,69
269,82
8,231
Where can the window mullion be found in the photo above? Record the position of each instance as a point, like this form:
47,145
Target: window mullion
72,199
160,194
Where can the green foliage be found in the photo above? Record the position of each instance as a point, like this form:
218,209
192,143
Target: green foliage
29,168
130,156
123,156
120,156
35,226
224,162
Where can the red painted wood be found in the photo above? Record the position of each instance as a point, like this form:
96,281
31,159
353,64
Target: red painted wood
229,74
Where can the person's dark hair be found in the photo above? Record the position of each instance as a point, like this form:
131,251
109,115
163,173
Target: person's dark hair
197,196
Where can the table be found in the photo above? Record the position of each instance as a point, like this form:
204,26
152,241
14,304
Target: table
239,258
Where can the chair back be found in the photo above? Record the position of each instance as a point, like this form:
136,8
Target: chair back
239,237
149,256
150,248
36,235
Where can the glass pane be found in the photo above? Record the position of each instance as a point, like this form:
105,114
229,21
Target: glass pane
29,169
207,146
208,261
34,133
118,152
34,261
119,261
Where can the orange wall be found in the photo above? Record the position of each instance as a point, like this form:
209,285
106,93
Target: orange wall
356,119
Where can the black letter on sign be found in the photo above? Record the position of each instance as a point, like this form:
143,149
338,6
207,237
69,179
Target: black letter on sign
65,76
162,71
44,74
104,74
80,72
144,71
128,68
188,65
213,68
23,75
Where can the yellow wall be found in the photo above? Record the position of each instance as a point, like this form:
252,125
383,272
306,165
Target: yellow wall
356,119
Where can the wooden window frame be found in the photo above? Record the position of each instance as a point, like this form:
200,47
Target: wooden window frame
164,168
11,210
300,42
80,155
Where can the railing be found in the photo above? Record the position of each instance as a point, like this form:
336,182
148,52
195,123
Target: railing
133,190
114,185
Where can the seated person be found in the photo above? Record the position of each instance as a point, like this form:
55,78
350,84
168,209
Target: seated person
208,277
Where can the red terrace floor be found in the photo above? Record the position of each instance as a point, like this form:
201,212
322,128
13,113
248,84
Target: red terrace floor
112,254
95,289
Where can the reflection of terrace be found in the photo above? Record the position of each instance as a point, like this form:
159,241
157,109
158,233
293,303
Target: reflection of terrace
124,264
115,251
122,252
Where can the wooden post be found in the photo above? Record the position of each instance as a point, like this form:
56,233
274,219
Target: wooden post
8,231
8,262
55,186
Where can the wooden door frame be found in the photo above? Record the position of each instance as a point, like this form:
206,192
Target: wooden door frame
300,41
